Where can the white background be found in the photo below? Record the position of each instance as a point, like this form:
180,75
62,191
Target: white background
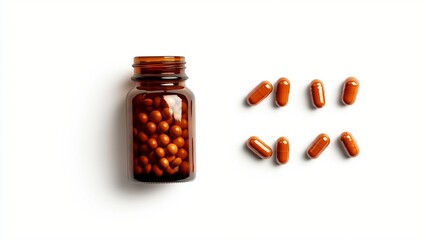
65,69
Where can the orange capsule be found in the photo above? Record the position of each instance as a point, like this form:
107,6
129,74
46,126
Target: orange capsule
282,91
349,144
282,150
259,93
317,93
350,90
318,146
259,147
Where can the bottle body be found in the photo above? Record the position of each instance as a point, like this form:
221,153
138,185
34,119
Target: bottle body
161,124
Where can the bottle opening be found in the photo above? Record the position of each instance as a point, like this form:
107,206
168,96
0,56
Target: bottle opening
159,67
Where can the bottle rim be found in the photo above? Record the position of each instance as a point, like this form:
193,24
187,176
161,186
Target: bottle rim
141,60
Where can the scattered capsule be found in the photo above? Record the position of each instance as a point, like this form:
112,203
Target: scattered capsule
317,93
259,147
318,146
349,144
350,90
259,93
282,150
282,92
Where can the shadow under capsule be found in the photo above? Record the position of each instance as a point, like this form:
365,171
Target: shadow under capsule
340,97
343,151
307,93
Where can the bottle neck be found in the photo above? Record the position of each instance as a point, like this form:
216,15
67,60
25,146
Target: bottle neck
160,69
160,84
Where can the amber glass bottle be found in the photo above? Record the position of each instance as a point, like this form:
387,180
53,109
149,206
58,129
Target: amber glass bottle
161,121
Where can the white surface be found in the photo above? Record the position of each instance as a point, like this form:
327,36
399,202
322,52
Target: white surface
65,68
